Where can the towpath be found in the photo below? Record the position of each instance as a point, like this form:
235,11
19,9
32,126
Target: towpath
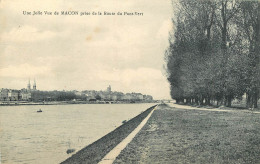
179,134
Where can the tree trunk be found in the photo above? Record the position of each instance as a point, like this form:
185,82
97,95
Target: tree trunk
207,101
188,101
229,100
177,101
225,100
196,101
255,100
249,100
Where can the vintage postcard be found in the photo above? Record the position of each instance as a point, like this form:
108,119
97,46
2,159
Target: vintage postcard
150,81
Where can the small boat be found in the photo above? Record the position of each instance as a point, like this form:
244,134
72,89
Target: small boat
70,151
39,110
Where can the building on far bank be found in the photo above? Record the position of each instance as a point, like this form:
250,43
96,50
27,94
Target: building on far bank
90,94
4,94
32,94
127,96
29,86
109,89
25,94
34,85
13,95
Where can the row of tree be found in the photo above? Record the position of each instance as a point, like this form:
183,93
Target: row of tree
214,52
70,95
53,96
60,96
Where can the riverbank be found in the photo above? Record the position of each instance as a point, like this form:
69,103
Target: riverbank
17,103
94,152
196,136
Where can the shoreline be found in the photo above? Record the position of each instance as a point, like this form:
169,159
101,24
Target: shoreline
95,152
67,103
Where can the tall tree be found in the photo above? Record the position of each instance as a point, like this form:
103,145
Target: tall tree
207,58
251,25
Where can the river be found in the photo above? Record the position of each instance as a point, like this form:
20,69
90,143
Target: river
31,137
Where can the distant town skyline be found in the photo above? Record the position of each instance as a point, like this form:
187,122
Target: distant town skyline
86,52
32,94
33,86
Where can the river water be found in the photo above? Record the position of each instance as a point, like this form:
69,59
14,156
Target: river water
30,137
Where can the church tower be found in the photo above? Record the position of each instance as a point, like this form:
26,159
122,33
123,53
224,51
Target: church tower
34,85
109,89
29,85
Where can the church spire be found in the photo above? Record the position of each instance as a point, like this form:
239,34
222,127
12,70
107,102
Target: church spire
34,85
29,85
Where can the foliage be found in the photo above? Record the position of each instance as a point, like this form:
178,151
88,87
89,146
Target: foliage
53,95
214,52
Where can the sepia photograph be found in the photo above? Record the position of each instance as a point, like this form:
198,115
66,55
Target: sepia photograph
128,82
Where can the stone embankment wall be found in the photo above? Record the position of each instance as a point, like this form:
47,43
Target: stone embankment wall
94,152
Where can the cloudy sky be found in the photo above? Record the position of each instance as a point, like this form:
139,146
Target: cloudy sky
85,52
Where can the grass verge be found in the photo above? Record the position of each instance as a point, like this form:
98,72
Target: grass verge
174,135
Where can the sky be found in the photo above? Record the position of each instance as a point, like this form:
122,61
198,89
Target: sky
86,52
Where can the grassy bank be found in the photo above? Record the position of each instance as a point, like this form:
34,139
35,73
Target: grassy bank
174,135
236,104
96,151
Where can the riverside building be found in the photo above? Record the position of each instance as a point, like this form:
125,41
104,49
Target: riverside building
24,94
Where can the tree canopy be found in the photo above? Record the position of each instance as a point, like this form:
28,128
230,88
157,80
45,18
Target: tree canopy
214,52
